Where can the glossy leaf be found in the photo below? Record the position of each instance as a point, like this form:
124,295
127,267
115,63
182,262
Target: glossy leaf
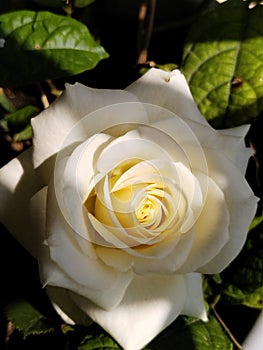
223,63
98,342
5,103
40,45
27,319
192,334
24,134
21,117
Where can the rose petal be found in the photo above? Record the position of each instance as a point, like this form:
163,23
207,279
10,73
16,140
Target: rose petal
52,126
129,147
230,142
212,223
169,90
38,209
242,205
107,298
116,258
65,306
150,304
167,264
194,301
178,130
234,144
18,182
86,270
75,179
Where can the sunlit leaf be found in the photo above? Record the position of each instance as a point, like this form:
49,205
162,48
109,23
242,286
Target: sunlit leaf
40,45
24,134
20,117
223,63
192,334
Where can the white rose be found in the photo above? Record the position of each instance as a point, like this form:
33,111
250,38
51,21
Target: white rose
126,198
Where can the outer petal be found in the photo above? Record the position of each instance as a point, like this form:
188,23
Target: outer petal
254,340
237,150
53,125
150,304
231,142
51,274
211,228
194,301
65,306
106,298
169,90
242,205
18,182
85,269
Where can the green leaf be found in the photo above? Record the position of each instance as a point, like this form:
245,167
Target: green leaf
27,319
24,134
6,103
48,46
253,299
98,342
223,63
20,118
192,334
243,280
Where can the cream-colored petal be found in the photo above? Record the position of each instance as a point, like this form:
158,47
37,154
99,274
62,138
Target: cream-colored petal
150,304
111,236
165,141
117,258
107,298
183,135
194,301
52,126
211,228
18,183
236,150
131,146
231,142
75,179
178,253
169,90
64,306
38,212
81,265
241,203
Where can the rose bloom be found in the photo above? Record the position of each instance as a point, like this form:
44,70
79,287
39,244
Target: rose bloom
125,199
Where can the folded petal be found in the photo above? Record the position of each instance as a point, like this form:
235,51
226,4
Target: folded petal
106,298
18,182
83,267
150,304
52,126
211,228
231,142
194,301
242,205
169,90
236,149
64,306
